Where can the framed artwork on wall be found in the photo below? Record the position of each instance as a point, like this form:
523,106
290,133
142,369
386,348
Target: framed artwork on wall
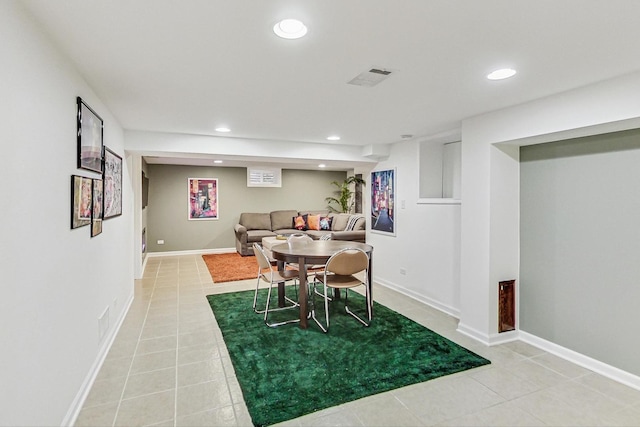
81,197
203,198
96,211
112,177
383,202
90,132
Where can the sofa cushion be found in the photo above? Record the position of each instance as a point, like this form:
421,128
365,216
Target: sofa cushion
339,221
319,212
282,219
317,234
313,222
257,235
255,221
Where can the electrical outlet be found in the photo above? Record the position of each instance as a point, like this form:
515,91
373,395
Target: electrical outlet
403,271
161,242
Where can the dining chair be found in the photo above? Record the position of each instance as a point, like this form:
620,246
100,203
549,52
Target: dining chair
267,274
340,273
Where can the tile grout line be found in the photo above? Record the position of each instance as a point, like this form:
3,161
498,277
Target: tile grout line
224,369
175,394
115,418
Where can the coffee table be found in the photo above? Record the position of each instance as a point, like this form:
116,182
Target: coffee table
269,242
317,252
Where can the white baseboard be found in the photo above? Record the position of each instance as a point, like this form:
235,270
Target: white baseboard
473,333
192,252
504,337
418,297
601,368
74,410
597,366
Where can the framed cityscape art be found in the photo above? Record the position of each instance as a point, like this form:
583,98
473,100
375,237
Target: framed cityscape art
203,198
81,198
383,202
112,177
90,144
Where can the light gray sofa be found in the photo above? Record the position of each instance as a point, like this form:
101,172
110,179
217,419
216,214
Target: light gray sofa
252,227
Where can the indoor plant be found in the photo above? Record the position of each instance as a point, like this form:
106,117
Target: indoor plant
344,199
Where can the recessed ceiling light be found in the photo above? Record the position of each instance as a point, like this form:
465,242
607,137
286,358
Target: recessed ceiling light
503,73
322,165
217,161
290,29
223,129
333,138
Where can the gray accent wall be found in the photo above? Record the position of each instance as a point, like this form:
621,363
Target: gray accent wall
580,246
167,217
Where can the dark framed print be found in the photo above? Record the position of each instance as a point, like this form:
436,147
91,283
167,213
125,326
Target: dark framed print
81,198
112,177
383,202
90,132
97,209
203,198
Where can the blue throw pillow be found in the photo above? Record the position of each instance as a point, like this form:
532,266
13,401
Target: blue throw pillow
325,223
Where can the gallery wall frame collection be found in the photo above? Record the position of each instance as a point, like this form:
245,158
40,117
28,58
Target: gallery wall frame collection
94,199
383,191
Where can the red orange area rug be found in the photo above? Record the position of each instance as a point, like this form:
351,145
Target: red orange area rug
231,266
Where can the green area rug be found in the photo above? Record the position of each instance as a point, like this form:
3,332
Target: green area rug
287,372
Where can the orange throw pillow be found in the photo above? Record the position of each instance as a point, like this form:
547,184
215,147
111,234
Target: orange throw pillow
313,222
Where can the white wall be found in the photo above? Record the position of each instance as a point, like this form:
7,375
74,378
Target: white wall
427,240
55,281
490,223
580,242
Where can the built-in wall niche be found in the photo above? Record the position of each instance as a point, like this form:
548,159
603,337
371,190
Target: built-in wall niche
264,176
145,191
439,165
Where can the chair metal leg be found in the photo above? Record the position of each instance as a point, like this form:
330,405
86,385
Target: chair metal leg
326,308
267,310
255,298
346,307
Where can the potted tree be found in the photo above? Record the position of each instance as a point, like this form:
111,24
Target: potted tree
344,199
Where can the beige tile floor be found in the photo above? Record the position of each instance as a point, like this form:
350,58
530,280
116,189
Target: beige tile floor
169,367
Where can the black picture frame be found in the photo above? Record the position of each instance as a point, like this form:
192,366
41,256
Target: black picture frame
97,191
112,177
90,138
81,201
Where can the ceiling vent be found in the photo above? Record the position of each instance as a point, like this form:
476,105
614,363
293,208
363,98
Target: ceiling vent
370,78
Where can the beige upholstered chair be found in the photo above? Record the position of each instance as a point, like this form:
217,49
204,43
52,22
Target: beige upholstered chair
340,273
267,274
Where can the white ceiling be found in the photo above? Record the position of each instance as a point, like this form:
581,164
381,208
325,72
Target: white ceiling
189,66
